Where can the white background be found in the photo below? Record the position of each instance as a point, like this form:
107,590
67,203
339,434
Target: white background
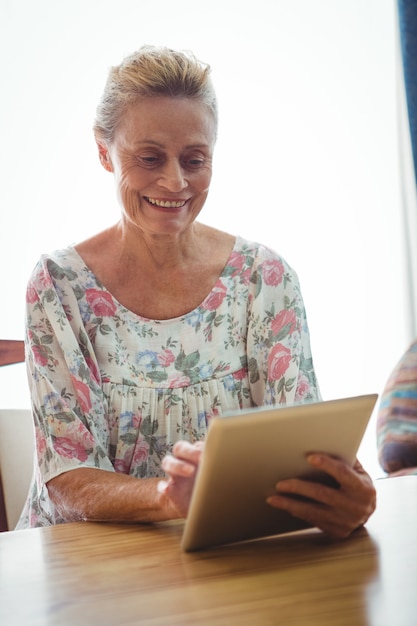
306,161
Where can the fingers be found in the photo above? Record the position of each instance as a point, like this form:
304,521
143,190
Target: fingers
176,467
181,468
184,459
355,485
315,514
337,511
162,486
186,451
336,468
178,491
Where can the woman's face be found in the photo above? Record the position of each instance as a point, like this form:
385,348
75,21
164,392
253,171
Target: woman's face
161,157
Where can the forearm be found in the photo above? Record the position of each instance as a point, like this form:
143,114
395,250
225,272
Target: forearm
88,494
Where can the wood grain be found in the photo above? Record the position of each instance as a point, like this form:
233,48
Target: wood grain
90,573
11,351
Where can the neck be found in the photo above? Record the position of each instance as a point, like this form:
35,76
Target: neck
159,250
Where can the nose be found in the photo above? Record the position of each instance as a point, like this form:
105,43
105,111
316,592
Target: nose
172,176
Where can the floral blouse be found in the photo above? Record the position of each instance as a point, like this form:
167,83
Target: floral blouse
113,390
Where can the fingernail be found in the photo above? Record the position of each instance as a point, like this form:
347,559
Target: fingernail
161,486
314,459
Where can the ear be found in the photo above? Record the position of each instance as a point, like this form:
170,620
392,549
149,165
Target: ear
104,155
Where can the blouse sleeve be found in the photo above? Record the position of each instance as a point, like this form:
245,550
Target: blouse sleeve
279,356
69,408
397,417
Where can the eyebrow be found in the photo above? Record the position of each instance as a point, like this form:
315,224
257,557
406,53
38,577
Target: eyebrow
160,145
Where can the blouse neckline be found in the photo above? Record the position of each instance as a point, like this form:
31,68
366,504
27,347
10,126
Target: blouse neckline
121,306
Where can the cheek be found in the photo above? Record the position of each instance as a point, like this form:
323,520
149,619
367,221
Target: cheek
204,180
127,193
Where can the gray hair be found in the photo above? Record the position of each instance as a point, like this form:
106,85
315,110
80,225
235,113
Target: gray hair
151,72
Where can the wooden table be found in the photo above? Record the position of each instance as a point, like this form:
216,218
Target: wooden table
85,573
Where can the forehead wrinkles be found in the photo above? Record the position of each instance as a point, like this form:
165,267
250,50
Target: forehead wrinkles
186,124
161,145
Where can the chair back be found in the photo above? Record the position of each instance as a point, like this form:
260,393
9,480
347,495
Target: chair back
16,462
11,351
16,447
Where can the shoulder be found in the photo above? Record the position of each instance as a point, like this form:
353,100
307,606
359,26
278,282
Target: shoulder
259,251
92,248
56,266
214,243
263,260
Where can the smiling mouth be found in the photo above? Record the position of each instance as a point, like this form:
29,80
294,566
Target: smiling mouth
166,204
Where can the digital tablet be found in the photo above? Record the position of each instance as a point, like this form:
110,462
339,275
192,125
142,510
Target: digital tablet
247,453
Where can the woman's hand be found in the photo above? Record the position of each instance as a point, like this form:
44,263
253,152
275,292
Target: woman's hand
181,467
336,511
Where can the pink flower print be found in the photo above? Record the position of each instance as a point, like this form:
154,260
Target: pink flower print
245,276
31,294
68,313
236,261
33,518
82,392
216,297
92,366
278,361
286,317
272,272
165,358
40,441
240,374
141,452
303,388
121,467
178,380
137,420
45,279
101,302
40,355
70,449
211,414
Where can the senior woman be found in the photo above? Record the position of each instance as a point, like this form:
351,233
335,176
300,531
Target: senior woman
138,336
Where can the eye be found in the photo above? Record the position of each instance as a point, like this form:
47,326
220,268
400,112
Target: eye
149,160
194,162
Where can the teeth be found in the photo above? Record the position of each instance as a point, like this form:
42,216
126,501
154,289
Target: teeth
166,204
